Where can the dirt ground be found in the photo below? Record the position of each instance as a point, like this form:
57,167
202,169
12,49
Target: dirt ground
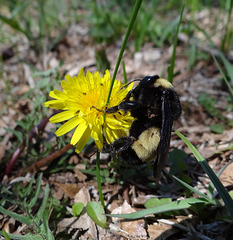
121,194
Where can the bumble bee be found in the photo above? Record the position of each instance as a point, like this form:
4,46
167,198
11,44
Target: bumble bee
154,104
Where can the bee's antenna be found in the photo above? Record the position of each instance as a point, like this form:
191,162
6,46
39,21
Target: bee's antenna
135,80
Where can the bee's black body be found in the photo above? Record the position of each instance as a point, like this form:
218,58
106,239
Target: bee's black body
154,104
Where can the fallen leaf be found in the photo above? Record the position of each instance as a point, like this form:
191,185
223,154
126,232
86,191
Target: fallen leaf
81,176
160,231
226,177
70,189
84,222
131,228
82,196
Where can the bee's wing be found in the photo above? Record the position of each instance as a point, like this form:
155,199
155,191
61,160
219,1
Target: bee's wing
165,134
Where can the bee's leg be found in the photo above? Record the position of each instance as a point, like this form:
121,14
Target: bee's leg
124,152
122,144
124,106
165,134
97,109
175,104
112,109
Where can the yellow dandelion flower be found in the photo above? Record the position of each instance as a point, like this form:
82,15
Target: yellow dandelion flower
81,97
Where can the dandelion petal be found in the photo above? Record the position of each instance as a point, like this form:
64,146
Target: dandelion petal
78,133
83,140
62,116
69,126
55,104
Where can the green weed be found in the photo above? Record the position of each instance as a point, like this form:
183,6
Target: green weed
45,82
28,199
38,19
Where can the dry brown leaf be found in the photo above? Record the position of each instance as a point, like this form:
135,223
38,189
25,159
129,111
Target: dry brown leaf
70,189
83,196
134,228
23,89
82,223
210,140
160,231
226,177
81,177
2,150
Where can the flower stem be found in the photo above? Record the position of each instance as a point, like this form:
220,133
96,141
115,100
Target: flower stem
99,179
130,26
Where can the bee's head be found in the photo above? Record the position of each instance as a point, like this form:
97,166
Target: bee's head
148,80
155,81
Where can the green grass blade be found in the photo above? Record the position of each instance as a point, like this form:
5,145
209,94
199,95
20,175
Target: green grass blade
43,206
211,185
20,218
37,192
14,24
173,206
99,179
129,29
193,189
204,33
217,183
45,227
228,23
228,67
171,67
27,190
229,71
5,235
25,237
124,73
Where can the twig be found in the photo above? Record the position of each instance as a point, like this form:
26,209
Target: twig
44,161
18,152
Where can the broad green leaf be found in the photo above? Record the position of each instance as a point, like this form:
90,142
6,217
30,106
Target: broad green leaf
77,208
176,158
217,128
154,202
96,212
173,206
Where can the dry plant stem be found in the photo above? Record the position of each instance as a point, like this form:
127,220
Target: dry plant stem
44,161
18,152
126,194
